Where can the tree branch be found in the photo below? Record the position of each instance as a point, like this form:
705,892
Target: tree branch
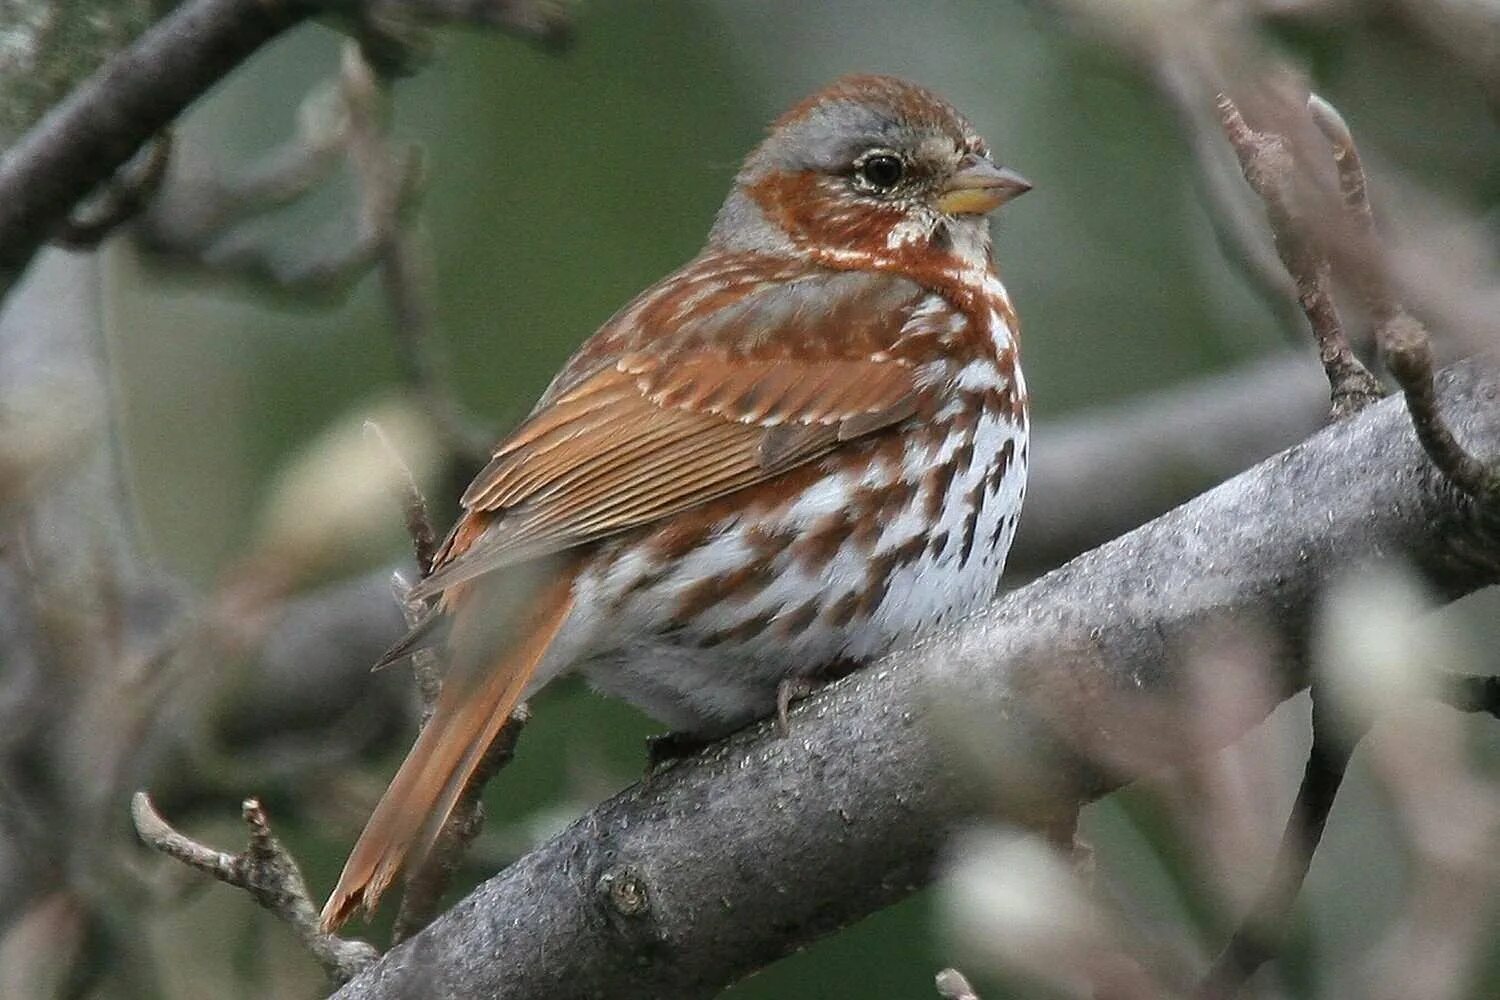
1274,171
762,844
266,871
1099,473
86,138
106,119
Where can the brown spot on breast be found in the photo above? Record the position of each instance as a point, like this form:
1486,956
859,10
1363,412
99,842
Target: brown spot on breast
768,543
885,501
677,537
1005,401
817,547
909,551
880,569
644,582
972,403
841,612
937,482
746,630
974,501
794,622
963,455
877,582
1001,467
738,584
938,544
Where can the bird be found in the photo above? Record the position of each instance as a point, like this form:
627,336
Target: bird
802,447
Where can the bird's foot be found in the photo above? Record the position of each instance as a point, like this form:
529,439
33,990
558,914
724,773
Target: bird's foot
790,690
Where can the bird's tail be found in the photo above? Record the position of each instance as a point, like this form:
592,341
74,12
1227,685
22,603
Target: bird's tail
471,708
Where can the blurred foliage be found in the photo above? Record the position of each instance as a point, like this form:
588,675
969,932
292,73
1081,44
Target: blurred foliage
561,186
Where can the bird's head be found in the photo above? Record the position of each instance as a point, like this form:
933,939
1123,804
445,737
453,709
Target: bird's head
869,166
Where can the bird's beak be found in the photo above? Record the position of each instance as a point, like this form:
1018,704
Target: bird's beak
979,187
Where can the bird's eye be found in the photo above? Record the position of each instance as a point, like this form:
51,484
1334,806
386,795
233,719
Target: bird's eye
881,171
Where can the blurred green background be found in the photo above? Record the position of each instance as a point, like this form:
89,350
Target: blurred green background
561,185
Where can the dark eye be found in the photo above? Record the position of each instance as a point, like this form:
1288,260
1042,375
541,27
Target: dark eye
881,171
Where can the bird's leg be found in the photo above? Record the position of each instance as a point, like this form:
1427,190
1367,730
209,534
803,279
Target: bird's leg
1260,934
801,685
789,690
668,748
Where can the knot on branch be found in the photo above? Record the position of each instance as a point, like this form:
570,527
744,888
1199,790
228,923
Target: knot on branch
1268,163
625,890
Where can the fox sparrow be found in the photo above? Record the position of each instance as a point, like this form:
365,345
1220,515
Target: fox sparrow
806,444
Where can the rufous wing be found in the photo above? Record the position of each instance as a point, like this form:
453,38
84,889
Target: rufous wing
644,439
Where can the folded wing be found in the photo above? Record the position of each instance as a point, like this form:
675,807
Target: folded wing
659,432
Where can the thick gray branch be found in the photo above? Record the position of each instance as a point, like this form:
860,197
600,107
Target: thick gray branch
729,861
1100,473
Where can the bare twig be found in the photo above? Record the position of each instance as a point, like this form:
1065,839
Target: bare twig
547,22
423,896
414,509
121,198
1259,936
266,871
1354,186
1404,343
1408,354
403,260
1271,169
198,207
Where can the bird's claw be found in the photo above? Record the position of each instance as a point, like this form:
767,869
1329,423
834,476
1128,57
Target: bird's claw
790,690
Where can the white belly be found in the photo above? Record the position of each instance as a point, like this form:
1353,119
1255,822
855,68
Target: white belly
869,555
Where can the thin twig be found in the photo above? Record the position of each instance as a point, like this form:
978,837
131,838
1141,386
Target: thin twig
1408,354
548,23
121,198
415,512
1260,934
265,870
1271,170
1405,345
423,895
1354,186
403,260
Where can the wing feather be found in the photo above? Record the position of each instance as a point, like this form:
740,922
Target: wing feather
659,432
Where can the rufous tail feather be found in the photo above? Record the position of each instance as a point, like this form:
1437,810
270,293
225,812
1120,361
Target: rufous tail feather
464,723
